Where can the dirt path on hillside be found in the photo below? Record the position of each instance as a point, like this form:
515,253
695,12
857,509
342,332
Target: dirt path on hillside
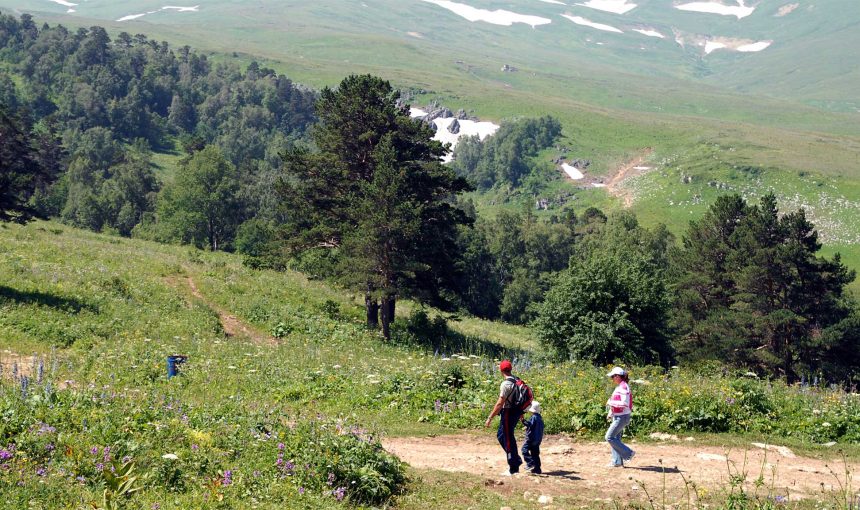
613,185
578,468
11,361
232,325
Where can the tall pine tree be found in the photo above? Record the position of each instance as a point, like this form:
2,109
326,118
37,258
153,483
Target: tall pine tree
377,192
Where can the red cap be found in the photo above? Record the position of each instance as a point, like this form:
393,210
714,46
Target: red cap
505,366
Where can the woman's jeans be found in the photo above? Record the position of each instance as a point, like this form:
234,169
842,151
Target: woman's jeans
620,451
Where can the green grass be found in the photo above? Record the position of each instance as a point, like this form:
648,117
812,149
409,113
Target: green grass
698,113
115,308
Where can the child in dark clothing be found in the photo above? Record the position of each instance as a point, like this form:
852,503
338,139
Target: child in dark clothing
534,436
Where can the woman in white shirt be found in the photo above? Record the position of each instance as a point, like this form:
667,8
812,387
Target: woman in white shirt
620,405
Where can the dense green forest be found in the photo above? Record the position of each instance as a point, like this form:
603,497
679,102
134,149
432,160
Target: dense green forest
343,185
100,107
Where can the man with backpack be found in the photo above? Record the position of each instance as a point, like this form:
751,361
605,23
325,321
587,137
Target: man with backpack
514,398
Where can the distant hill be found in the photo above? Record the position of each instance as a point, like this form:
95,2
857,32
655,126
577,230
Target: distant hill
801,50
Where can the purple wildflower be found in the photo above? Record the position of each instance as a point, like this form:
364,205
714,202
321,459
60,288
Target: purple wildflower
256,474
330,481
228,478
41,471
100,466
81,479
730,401
5,454
50,447
194,447
301,490
339,493
94,450
126,459
280,446
155,506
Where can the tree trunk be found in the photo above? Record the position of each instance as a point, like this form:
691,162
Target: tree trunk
392,301
386,305
372,308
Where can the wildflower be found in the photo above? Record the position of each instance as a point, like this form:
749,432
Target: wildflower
256,474
194,447
228,478
82,480
330,481
50,447
280,446
100,466
730,401
126,459
301,490
41,471
94,450
339,493
155,506
5,454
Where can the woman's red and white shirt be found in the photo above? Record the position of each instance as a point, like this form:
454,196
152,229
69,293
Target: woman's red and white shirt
621,401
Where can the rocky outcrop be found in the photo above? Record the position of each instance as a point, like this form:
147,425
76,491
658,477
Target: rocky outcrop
580,164
439,112
454,127
461,114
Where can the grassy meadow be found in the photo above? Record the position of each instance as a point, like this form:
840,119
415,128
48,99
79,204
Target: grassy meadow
702,117
289,410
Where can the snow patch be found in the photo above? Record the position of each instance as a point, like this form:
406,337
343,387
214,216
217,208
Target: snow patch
553,2
497,17
572,172
614,6
713,46
177,8
740,10
64,3
132,16
756,46
649,33
598,184
467,128
786,10
599,26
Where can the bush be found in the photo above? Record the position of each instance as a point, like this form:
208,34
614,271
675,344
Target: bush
425,330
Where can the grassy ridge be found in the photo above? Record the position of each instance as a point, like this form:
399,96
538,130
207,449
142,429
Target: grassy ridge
123,305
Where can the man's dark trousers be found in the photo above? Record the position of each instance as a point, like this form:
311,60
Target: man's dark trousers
508,422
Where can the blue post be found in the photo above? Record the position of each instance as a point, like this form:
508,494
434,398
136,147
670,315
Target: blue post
173,363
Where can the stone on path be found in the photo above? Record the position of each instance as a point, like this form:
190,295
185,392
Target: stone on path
711,456
782,450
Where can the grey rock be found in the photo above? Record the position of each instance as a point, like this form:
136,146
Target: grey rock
454,127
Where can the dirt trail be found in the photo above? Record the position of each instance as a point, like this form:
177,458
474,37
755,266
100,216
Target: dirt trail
10,360
613,185
578,469
233,326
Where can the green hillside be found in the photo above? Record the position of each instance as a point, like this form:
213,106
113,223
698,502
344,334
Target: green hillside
281,367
